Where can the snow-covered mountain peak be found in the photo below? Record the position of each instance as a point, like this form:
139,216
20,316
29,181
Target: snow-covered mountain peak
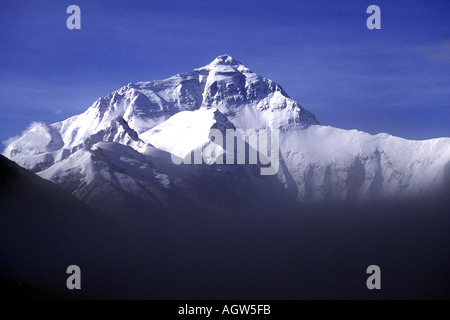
227,66
186,131
244,97
223,60
174,116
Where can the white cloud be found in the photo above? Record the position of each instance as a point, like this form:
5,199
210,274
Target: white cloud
12,139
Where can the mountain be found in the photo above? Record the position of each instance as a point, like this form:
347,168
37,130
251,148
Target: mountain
120,152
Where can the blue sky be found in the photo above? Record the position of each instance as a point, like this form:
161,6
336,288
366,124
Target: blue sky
393,80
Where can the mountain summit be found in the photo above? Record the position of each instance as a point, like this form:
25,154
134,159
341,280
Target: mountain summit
122,144
243,97
224,60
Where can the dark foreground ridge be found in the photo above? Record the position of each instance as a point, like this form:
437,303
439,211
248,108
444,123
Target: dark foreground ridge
285,253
